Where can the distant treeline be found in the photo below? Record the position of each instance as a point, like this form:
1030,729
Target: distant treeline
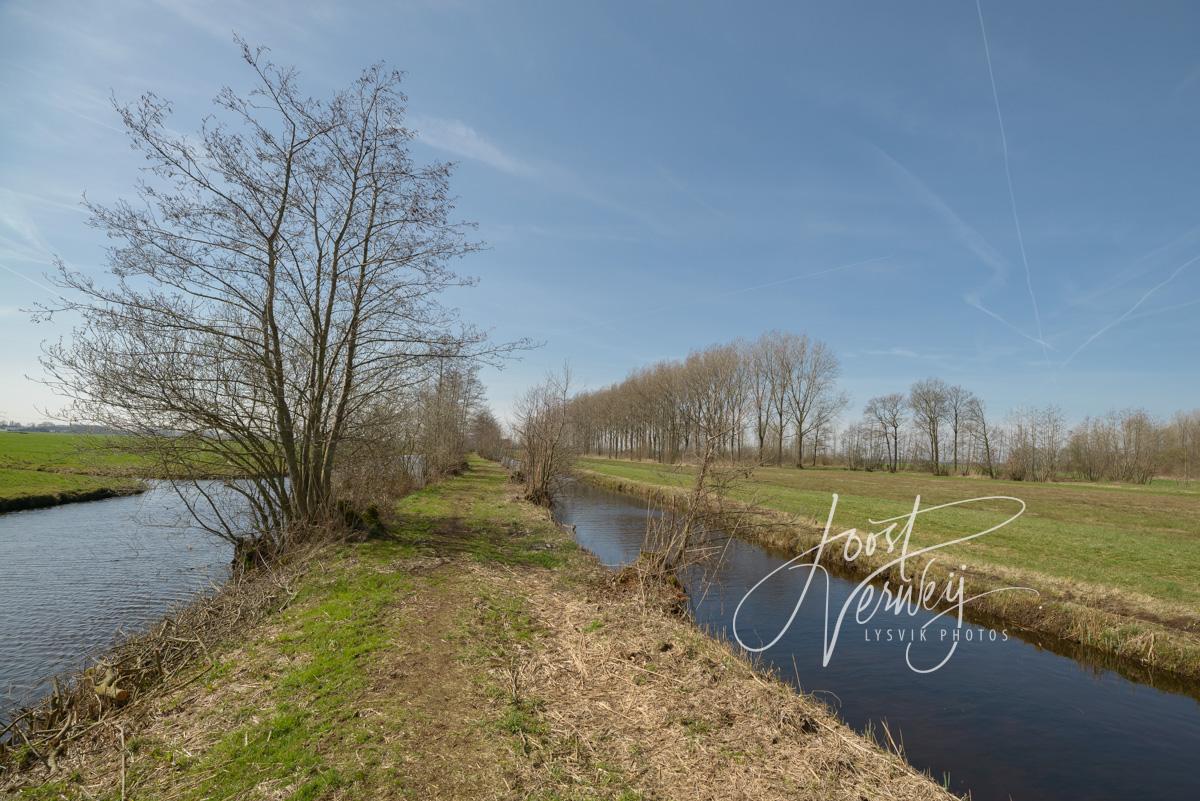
776,400
55,428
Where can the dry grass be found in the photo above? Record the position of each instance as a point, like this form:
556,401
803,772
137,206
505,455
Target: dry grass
633,689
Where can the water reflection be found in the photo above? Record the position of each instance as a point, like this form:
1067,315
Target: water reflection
1003,719
75,576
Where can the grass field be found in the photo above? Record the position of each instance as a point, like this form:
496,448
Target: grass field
68,453
1132,551
38,469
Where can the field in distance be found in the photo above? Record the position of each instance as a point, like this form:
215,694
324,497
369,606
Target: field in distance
43,469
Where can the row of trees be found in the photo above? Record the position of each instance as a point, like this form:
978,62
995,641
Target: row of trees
759,397
776,400
950,431
418,436
1132,446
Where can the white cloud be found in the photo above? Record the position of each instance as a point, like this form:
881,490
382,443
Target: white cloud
20,238
459,139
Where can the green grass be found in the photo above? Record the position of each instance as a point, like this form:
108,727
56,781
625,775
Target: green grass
471,515
1143,542
329,639
74,453
34,488
38,469
21,483
41,469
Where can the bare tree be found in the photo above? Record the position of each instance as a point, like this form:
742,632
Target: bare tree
929,403
887,412
977,417
486,437
1141,446
773,360
715,394
812,395
761,379
958,401
1037,443
1184,444
279,277
543,435
445,406
779,394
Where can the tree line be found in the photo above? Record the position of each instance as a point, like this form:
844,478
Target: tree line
776,400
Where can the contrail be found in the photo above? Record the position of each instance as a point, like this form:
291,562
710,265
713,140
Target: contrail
1165,309
24,277
1134,307
1012,197
974,303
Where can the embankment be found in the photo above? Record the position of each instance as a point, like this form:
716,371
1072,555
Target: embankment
36,489
42,501
1149,650
473,652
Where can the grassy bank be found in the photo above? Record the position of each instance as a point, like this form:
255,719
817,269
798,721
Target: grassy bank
1115,566
45,469
474,653
42,469
34,489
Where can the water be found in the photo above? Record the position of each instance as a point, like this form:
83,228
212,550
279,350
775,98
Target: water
74,577
1004,720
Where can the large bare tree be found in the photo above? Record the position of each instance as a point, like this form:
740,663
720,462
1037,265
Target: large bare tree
278,278
958,404
977,419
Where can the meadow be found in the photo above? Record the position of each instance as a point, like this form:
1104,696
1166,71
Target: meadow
1132,552
43,469
69,453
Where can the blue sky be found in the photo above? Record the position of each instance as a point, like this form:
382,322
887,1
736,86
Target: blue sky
655,177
